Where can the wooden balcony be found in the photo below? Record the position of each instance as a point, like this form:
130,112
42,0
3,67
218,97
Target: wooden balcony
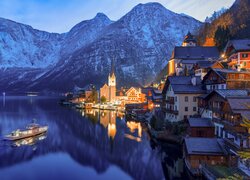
171,111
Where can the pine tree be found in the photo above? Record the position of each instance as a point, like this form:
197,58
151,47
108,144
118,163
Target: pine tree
221,37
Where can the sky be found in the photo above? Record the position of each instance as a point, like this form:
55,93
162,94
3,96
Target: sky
61,15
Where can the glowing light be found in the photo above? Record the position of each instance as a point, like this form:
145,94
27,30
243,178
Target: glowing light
112,130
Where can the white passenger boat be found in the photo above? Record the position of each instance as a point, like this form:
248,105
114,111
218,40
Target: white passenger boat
30,131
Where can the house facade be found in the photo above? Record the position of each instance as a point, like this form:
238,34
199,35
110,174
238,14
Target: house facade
200,127
237,53
226,79
227,108
180,97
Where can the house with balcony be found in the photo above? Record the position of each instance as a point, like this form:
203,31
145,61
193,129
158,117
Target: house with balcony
227,108
180,97
237,53
226,79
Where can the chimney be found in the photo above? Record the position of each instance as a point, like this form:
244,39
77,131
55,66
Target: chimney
193,81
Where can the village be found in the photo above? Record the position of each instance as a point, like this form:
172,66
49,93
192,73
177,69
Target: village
202,103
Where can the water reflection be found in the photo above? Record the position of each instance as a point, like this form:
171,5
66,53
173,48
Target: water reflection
91,138
29,141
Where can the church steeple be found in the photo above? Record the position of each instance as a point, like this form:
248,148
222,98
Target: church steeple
112,78
189,40
112,67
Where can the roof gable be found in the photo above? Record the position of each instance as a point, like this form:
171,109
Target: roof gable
238,45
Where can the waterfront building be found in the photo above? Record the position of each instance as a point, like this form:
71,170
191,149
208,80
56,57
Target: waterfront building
200,127
200,153
227,108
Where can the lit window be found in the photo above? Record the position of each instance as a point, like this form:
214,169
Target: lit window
244,55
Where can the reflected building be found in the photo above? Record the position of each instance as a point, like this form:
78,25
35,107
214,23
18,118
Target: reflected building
108,120
135,126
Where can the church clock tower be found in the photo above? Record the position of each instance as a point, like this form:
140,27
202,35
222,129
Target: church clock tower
112,83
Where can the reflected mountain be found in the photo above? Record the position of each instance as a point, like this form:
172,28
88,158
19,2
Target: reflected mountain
94,139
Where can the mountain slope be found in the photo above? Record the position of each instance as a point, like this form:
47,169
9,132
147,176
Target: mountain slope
140,43
23,46
236,19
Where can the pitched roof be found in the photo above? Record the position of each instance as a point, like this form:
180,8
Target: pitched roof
187,89
195,52
200,122
239,45
223,72
203,146
183,85
208,64
231,92
182,80
239,103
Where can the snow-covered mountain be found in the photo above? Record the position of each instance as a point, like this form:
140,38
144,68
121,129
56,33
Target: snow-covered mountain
140,44
23,46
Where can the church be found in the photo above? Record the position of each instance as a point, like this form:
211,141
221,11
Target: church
189,54
109,90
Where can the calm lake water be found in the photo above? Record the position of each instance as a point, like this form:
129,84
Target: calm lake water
78,145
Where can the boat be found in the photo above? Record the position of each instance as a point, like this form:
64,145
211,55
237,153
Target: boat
31,130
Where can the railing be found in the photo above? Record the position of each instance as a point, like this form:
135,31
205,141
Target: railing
171,111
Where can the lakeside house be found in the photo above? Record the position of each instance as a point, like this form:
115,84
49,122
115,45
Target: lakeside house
180,97
227,108
237,53
200,127
202,152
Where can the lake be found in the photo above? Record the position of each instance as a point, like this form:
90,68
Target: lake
78,145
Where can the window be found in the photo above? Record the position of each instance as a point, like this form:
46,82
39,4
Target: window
186,98
194,99
244,55
245,63
175,98
241,76
194,108
186,108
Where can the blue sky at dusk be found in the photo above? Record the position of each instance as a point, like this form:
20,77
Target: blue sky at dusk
61,15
